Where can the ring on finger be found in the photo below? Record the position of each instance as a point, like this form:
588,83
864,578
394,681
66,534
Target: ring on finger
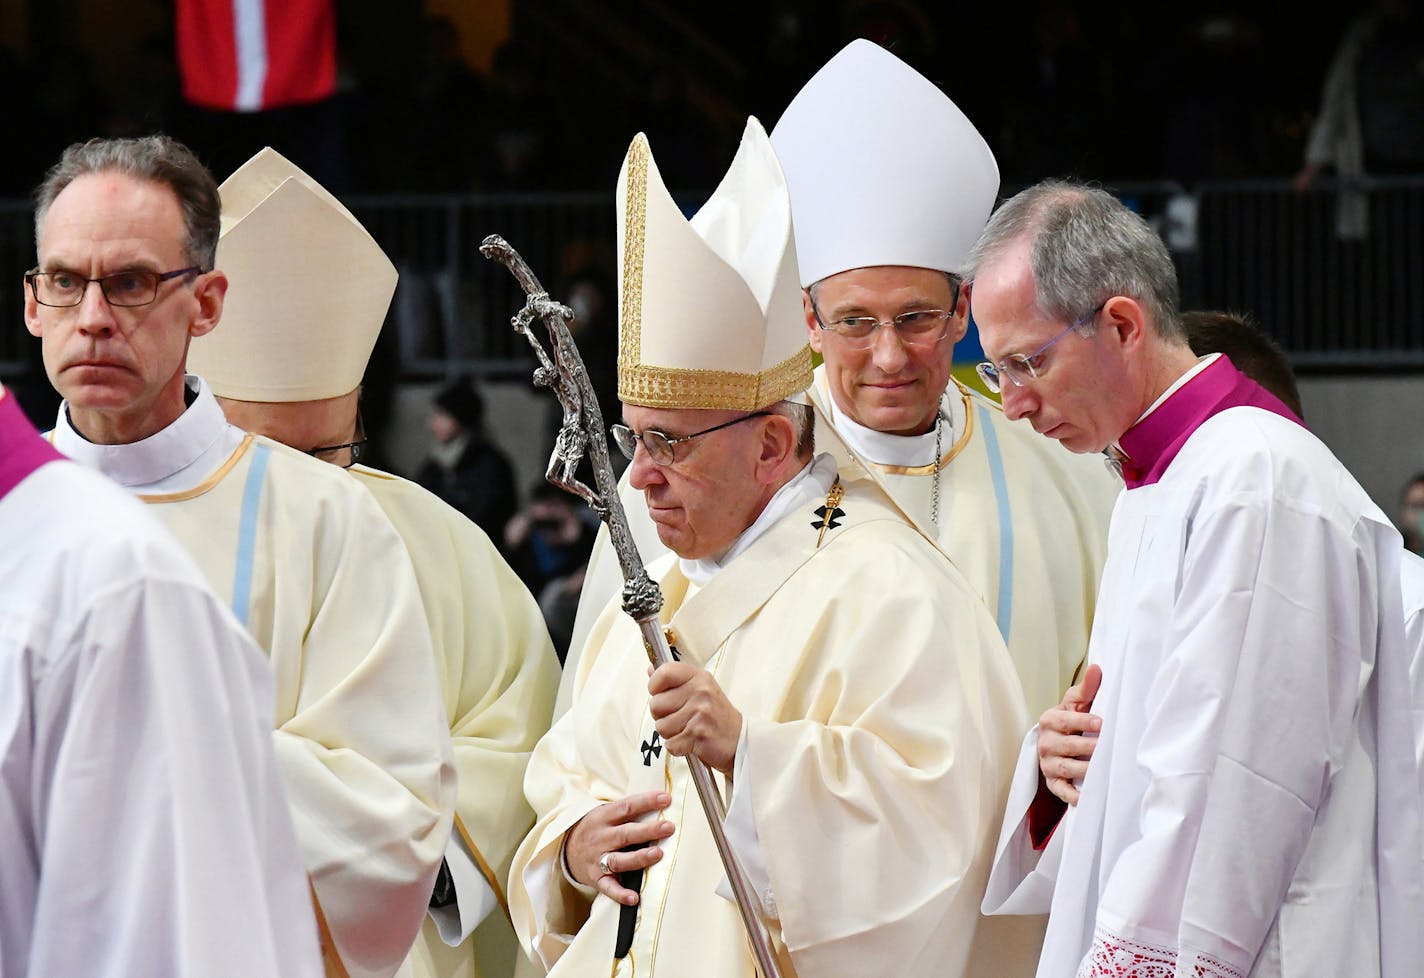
603,866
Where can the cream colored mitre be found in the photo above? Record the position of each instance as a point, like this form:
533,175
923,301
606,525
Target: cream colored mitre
883,168
709,310
308,290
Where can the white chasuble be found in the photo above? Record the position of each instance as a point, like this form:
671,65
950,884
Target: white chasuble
1022,518
498,672
319,577
881,713
1252,805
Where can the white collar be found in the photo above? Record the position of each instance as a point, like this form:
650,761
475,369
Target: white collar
901,450
812,483
1201,364
157,458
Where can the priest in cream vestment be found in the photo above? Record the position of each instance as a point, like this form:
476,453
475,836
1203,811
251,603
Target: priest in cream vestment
884,214
307,560
843,682
292,371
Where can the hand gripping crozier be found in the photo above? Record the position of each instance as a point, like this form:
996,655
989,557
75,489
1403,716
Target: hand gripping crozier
581,431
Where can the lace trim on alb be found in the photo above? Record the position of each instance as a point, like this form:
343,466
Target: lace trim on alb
1114,957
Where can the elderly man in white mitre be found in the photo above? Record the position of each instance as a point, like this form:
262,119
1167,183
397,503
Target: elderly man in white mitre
842,681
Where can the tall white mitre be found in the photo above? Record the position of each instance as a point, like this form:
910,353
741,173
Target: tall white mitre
709,310
884,169
308,290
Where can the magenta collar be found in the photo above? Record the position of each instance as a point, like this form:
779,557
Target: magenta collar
1152,443
22,450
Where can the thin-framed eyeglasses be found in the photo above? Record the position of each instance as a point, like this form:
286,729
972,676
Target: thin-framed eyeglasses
328,453
126,289
919,327
1021,368
658,445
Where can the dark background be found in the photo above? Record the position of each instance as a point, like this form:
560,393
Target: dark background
1110,91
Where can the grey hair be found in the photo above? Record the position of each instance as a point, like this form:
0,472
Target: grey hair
1085,247
803,418
157,159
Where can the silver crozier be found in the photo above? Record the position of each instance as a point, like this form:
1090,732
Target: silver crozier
580,433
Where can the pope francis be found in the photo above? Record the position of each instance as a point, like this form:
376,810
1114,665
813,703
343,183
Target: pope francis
861,752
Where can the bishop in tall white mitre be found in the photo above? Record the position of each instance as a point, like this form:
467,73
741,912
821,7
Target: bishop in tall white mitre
305,557
309,292
842,681
884,212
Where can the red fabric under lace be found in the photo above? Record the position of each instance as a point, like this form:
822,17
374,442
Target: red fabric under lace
1113,957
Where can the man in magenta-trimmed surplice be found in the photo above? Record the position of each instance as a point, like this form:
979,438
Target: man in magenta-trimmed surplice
143,826
1252,806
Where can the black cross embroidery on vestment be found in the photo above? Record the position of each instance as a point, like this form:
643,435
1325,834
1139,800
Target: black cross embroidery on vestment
651,750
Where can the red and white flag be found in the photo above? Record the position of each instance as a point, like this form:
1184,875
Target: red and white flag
250,55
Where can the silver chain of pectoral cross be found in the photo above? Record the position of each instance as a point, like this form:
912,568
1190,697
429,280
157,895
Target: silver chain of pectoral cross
934,487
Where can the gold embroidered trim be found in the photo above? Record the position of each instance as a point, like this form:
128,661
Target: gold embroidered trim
491,877
683,387
949,456
635,232
833,501
206,484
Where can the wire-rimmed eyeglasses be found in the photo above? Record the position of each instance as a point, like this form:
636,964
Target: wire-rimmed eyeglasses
1021,368
328,453
919,327
126,289
658,445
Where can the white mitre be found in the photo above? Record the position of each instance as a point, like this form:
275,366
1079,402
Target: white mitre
884,169
308,290
709,310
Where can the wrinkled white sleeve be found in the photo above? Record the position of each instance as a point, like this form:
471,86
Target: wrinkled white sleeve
1252,708
1022,879
474,901
167,848
742,836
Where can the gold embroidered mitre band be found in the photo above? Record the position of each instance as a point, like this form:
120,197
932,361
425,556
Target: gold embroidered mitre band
883,168
308,290
709,309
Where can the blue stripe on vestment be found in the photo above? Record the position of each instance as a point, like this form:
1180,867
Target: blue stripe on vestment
1006,525
247,533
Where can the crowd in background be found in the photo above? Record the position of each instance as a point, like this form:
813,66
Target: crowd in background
1114,92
